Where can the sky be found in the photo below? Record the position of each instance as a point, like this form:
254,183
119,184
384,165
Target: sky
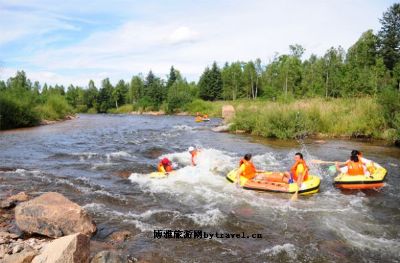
71,42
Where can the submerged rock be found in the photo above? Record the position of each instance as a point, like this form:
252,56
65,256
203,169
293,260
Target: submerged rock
74,248
53,215
222,128
119,236
107,257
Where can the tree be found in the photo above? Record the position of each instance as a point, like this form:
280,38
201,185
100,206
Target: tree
136,91
232,80
104,100
171,77
153,90
359,69
389,36
179,94
120,93
90,96
312,82
210,83
72,96
333,69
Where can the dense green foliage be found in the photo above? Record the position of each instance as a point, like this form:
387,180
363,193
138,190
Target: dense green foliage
22,105
368,72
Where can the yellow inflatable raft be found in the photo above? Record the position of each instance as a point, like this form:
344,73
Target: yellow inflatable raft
373,181
268,183
161,175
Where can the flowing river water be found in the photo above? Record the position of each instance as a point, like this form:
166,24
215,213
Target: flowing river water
85,158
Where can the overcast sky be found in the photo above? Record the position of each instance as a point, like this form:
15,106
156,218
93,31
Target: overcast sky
75,41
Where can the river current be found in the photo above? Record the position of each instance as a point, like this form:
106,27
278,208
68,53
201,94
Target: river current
102,162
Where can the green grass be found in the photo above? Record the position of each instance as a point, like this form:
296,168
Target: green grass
361,117
127,108
213,109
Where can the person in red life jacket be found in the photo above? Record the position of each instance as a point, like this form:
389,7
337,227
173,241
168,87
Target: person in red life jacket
165,166
246,169
354,166
194,152
298,172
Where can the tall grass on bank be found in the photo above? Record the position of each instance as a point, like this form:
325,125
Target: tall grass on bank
334,118
213,109
127,108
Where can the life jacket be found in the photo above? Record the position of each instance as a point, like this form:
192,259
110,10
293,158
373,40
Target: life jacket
164,169
249,169
293,170
194,154
355,168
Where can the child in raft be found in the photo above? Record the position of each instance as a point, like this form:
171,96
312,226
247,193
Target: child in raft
356,165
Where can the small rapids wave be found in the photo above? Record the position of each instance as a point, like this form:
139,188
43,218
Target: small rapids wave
287,248
84,156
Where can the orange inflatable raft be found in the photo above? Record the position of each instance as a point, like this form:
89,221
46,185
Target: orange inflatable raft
272,183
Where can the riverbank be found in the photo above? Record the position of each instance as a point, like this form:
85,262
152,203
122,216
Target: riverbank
316,118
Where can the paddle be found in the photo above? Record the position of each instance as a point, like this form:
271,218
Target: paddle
295,195
325,162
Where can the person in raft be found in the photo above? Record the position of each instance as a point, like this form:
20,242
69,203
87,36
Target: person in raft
298,172
354,166
371,166
246,169
165,166
193,152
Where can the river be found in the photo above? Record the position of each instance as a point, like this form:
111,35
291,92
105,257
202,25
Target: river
85,158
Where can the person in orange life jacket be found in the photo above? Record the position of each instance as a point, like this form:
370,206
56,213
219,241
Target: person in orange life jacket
246,169
298,172
193,152
371,166
354,166
165,166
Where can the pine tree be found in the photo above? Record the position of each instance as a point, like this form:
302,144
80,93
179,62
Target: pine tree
389,36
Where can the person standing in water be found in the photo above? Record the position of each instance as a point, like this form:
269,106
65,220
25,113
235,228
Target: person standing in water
193,152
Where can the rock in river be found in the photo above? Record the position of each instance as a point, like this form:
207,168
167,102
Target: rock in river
53,215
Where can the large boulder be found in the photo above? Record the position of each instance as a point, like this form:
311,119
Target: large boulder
228,113
69,249
53,215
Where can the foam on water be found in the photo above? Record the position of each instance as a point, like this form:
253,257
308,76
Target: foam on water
183,128
355,235
285,248
139,220
212,217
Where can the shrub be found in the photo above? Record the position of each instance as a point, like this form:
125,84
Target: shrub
16,113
